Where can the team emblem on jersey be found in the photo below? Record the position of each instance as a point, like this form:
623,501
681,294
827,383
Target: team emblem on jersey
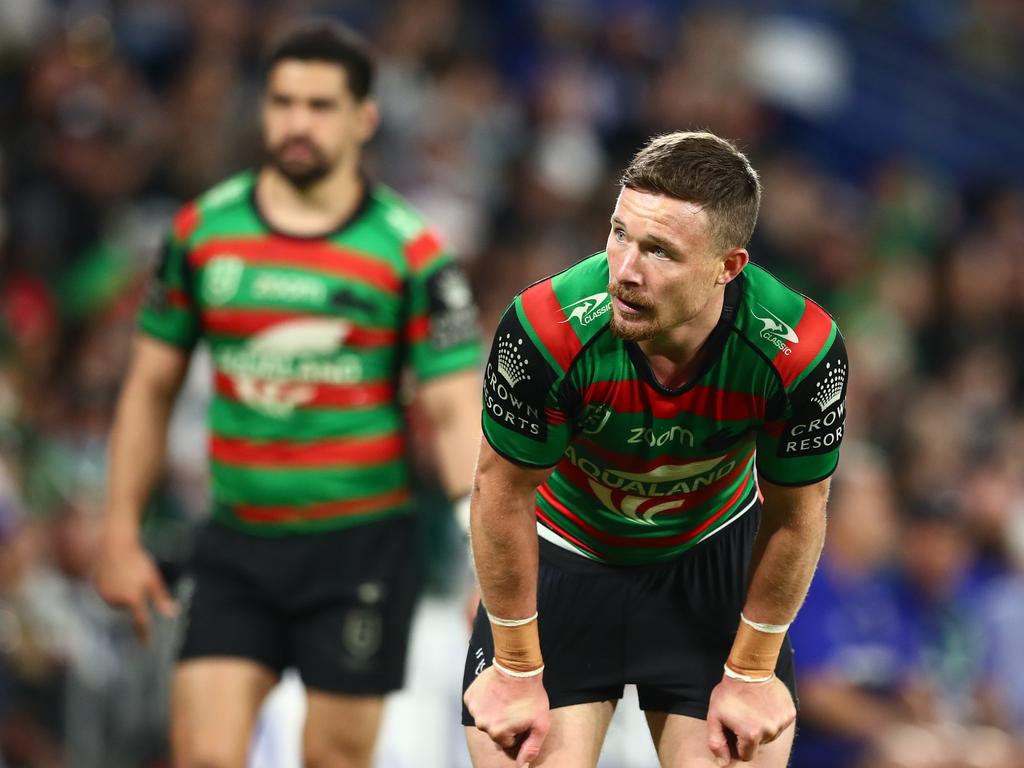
279,369
776,331
585,311
641,496
595,417
221,279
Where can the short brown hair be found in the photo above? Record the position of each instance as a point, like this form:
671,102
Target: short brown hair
707,170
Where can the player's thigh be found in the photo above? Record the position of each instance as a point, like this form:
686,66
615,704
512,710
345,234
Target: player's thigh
683,741
341,731
574,741
214,703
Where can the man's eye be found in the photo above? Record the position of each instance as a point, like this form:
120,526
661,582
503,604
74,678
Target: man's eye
620,236
659,253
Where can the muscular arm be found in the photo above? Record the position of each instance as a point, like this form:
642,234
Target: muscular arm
452,404
139,436
786,550
126,576
504,534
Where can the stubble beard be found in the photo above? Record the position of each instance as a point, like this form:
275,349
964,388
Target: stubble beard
644,328
300,175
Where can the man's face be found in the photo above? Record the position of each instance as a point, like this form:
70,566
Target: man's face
311,121
663,266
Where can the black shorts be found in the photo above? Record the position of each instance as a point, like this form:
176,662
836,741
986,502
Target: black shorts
666,628
335,605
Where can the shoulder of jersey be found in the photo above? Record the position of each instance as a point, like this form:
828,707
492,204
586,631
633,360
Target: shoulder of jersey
786,327
569,309
223,199
404,226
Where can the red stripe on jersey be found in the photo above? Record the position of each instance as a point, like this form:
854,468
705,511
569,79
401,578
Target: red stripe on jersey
562,532
418,328
812,330
258,514
658,542
319,453
325,395
315,255
635,396
545,316
178,299
185,222
554,416
421,251
246,322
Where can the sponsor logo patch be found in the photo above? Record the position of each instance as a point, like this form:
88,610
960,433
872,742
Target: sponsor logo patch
819,408
453,314
585,311
775,331
516,380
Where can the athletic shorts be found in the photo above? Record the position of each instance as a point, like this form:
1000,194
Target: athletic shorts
336,605
667,628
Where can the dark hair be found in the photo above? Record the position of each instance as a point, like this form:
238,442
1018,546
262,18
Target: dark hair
327,41
701,168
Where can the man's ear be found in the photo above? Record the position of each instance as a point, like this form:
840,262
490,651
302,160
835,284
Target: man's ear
732,264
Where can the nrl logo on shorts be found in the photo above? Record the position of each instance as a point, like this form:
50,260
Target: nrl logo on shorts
585,311
221,279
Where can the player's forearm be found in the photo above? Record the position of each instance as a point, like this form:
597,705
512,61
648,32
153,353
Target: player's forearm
137,450
504,539
452,405
785,554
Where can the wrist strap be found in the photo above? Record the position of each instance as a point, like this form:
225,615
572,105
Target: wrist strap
771,629
498,621
729,672
517,675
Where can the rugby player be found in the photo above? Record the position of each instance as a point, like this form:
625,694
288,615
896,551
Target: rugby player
313,289
661,421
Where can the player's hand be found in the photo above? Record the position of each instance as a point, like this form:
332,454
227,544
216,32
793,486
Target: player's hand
128,578
753,713
513,711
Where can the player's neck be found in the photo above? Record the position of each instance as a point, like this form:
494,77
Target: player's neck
308,211
675,355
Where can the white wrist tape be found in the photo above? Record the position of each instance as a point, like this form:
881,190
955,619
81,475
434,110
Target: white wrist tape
518,675
510,622
730,672
771,629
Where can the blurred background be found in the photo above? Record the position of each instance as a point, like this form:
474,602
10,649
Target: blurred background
890,140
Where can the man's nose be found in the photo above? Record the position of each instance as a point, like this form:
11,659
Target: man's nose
629,266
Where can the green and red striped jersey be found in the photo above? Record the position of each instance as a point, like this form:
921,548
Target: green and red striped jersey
644,472
308,338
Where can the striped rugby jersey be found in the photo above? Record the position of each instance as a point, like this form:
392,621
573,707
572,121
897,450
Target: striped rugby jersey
308,337
643,472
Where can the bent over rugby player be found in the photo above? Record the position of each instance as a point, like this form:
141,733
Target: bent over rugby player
660,424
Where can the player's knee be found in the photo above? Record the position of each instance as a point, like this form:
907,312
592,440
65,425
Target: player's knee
336,750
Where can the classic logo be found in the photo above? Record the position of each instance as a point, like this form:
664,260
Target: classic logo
278,370
585,311
776,331
637,495
221,279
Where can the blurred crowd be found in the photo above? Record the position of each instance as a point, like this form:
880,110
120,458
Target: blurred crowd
507,124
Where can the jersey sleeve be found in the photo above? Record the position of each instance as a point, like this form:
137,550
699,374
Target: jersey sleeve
442,325
169,311
801,445
526,413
